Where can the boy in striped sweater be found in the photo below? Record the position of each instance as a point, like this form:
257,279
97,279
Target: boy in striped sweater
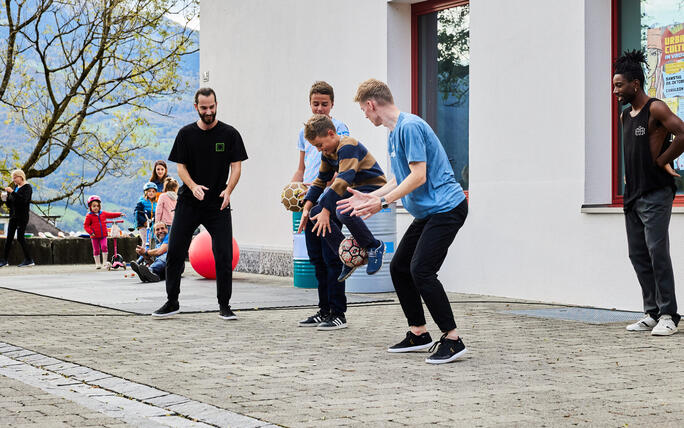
356,168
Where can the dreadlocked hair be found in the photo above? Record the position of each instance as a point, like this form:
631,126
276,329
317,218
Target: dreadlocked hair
630,66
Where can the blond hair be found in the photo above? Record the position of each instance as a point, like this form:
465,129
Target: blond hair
318,126
323,88
20,173
373,89
170,185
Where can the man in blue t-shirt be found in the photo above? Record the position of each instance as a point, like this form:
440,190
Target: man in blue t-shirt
428,190
332,302
156,257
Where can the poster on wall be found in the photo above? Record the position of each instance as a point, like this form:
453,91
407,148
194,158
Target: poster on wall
665,80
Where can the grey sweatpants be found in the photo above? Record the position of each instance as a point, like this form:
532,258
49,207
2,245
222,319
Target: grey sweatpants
648,241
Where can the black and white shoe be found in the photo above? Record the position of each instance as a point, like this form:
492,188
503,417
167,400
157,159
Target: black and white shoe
448,350
412,343
346,273
168,310
26,263
136,268
333,322
3,262
313,320
226,314
147,275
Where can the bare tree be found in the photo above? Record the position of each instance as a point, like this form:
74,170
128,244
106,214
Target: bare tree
90,69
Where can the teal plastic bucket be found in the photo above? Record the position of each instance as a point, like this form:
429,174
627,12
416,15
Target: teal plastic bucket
304,271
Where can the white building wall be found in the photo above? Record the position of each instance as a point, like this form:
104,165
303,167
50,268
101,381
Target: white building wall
540,136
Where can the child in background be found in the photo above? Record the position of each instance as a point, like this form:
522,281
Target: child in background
166,203
144,210
96,226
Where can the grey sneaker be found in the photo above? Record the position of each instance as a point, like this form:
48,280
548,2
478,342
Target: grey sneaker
645,324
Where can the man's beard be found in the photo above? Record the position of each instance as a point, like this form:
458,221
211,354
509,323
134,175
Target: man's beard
207,118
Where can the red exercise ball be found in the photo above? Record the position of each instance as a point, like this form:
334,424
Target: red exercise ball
202,256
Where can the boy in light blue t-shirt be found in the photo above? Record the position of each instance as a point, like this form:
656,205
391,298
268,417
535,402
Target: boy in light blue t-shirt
429,191
332,302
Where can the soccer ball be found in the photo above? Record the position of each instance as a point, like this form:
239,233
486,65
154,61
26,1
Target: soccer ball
292,196
352,254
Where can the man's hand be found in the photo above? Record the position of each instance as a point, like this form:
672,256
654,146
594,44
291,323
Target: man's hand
139,250
670,170
198,191
305,216
360,204
226,198
322,220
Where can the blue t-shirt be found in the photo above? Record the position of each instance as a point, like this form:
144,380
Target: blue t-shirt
312,158
412,140
159,244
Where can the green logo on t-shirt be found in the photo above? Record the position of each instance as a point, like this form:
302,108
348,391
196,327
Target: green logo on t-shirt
220,147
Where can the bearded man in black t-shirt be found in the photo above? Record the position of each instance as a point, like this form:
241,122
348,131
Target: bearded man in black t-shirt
209,155
647,126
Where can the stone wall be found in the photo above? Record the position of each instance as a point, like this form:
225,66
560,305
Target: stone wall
64,251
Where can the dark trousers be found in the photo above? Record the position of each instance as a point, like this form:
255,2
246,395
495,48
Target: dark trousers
418,258
218,223
327,266
647,224
18,226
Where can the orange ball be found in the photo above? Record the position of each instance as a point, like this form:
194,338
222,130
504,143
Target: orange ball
202,257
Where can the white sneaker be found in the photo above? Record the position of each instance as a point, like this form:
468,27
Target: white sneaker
645,324
665,327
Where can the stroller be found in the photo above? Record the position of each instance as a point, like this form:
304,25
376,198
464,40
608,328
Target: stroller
117,259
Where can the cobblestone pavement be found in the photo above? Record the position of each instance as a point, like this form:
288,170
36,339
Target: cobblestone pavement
519,370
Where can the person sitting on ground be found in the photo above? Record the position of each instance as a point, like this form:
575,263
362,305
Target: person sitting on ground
166,203
144,210
96,225
156,257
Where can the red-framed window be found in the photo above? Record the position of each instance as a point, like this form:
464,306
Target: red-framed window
440,63
648,26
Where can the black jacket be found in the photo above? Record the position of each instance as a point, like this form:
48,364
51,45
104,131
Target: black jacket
19,201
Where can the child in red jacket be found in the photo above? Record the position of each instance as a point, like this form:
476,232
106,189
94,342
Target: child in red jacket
96,226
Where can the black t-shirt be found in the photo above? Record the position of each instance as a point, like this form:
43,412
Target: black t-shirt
207,155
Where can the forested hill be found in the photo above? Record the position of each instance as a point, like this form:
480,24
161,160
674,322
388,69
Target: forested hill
118,194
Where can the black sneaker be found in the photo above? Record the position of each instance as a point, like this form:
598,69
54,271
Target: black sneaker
226,314
333,322
169,309
136,268
447,350
147,275
346,273
412,343
3,262
26,263
313,320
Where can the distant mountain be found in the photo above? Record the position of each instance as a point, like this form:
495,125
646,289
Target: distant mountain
118,194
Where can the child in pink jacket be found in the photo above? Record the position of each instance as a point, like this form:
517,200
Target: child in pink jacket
96,226
166,203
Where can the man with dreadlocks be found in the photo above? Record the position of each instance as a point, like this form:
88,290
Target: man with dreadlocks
647,128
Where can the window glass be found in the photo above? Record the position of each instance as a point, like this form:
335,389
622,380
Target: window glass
657,28
443,81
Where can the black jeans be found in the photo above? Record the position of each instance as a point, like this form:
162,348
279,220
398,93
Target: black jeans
327,266
18,226
418,258
187,218
647,224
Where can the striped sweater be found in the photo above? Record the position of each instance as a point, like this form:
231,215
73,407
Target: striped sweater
355,167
